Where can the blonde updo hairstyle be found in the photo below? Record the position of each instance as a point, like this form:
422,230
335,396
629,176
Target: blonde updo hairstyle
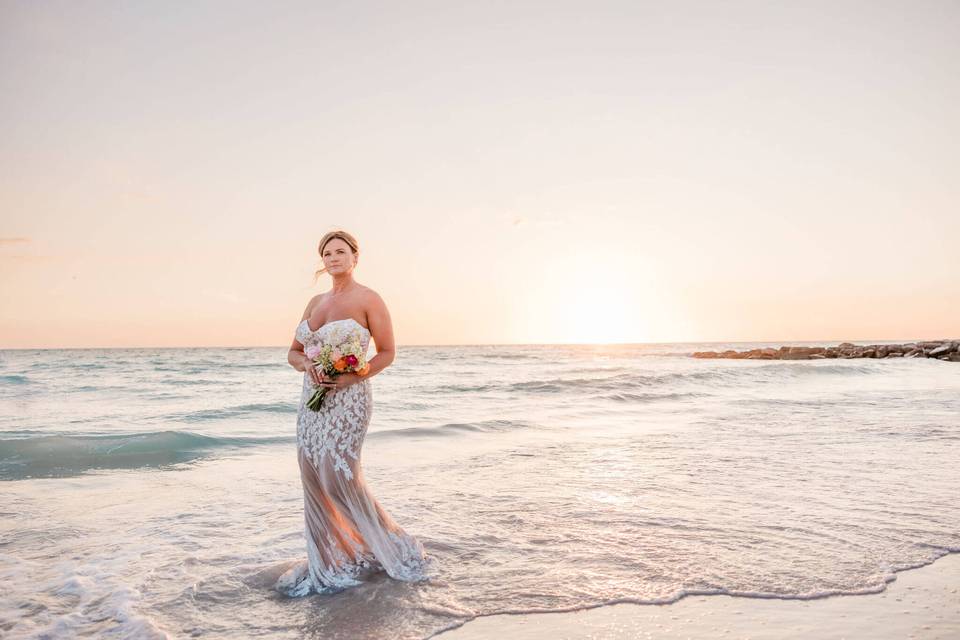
327,237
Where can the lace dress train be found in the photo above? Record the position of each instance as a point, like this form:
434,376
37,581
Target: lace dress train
349,535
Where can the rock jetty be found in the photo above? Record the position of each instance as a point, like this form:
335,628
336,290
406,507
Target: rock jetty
948,350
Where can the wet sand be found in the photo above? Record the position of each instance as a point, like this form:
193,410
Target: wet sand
921,603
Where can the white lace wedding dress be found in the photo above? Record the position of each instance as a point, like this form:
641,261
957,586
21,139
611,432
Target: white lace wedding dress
349,535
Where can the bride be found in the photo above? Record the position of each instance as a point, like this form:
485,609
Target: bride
348,534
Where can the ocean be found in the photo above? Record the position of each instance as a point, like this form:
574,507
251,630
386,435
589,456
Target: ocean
152,493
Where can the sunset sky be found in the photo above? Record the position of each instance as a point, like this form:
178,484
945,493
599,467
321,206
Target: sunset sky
528,172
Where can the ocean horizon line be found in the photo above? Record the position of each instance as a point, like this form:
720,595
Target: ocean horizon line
518,344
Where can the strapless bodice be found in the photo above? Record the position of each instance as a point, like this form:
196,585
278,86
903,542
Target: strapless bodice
333,332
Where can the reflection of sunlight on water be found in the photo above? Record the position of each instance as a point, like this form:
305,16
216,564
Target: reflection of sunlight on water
610,462
609,498
605,474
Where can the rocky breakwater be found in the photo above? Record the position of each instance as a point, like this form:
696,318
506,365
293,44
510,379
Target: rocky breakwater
948,350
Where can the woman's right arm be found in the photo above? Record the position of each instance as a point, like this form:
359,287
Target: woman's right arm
295,356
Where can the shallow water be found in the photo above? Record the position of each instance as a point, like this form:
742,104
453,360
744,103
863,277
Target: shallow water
156,492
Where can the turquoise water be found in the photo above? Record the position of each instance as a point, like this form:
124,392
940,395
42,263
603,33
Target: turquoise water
155,492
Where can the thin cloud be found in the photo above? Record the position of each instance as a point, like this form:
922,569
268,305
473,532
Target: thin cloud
9,241
19,257
20,242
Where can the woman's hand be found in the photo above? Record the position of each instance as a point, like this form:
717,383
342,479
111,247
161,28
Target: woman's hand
312,371
340,381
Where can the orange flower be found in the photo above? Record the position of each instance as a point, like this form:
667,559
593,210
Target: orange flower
340,364
365,370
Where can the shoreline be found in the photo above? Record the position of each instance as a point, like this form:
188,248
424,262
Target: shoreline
922,602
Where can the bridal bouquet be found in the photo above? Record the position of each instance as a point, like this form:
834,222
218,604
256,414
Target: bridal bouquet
334,359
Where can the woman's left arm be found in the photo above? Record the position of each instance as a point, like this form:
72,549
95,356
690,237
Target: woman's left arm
381,330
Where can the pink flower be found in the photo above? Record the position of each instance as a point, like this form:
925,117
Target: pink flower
312,351
352,360
336,355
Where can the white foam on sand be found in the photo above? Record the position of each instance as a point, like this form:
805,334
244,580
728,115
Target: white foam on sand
921,603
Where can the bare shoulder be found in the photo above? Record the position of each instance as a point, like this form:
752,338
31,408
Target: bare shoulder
312,304
378,321
373,305
371,297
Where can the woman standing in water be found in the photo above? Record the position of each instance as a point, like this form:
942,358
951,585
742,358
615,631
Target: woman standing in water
348,533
